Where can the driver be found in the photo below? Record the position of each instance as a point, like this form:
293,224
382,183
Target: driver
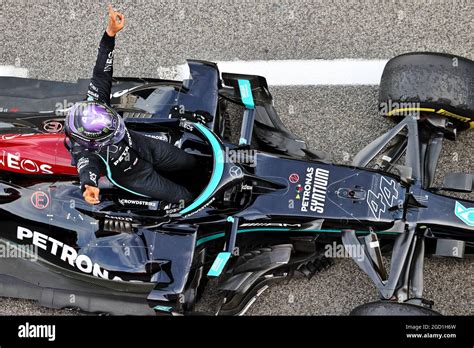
101,144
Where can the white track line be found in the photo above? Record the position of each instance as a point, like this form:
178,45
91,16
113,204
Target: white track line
10,70
279,72
303,72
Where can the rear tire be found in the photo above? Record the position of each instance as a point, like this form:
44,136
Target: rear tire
429,83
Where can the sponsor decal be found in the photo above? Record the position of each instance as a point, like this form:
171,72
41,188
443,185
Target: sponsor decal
109,62
187,126
314,190
172,208
65,252
219,264
93,87
40,200
93,178
13,136
119,218
52,126
245,91
421,199
202,208
235,172
92,95
269,224
123,155
465,214
14,161
129,138
122,92
298,190
294,178
83,161
151,205
161,137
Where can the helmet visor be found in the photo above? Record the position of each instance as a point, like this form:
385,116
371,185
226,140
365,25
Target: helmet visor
94,125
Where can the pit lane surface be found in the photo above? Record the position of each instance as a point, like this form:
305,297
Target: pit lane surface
58,40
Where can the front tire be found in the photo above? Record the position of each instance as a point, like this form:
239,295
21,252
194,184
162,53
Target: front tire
429,83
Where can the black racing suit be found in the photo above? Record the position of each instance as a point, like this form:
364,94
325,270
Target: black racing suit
134,163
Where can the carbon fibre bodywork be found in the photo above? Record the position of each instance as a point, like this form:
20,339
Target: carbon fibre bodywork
253,221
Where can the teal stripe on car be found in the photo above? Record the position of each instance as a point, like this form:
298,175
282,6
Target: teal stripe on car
219,264
209,238
163,308
246,94
218,170
247,230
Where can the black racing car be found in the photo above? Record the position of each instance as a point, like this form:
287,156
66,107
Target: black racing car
265,205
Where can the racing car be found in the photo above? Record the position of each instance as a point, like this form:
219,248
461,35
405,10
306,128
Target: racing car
265,205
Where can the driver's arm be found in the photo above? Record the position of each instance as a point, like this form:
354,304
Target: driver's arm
90,167
101,82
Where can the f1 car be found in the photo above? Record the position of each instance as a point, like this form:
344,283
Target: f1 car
265,204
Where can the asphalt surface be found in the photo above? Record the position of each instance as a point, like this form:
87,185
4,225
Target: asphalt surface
58,40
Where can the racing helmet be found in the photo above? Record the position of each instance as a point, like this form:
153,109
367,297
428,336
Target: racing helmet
94,125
